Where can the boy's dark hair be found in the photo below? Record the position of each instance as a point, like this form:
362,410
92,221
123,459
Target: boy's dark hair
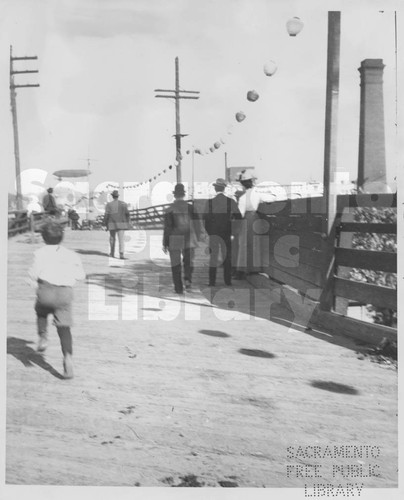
52,233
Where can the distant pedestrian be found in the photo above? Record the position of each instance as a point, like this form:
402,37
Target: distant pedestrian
54,272
74,218
117,221
218,216
182,229
49,203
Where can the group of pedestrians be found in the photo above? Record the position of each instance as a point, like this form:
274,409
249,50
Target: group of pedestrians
230,228
56,269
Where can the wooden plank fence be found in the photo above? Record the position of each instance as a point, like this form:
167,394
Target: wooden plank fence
19,221
298,255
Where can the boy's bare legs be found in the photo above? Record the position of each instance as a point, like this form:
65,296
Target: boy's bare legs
42,323
66,343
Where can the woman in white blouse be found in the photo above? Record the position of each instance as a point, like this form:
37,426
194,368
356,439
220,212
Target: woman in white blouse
252,237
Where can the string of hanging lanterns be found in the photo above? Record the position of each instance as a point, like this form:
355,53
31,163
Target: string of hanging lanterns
139,184
293,26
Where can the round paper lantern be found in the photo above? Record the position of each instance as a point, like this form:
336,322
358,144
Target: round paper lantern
211,149
270,68
170,167
294,26
252,95
217,145
240,116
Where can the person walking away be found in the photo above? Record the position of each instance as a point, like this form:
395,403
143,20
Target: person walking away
117,221
53,274
49,203
250,256
182,230
218,217
74,218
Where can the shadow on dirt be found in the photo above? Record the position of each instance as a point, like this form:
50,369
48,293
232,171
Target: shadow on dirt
90,252
257,353
334,387
20,349
214,333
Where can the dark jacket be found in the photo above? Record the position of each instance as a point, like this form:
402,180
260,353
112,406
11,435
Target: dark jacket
49,203
117,215
219,213
182,227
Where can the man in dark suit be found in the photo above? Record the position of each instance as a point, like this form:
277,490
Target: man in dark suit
116,220
218,215
182,230
49,203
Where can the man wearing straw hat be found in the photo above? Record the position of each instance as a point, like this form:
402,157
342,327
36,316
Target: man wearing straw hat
218,215
116,221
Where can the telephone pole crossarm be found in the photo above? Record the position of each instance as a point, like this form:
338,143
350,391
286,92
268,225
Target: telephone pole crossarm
13,86
178,94
13,102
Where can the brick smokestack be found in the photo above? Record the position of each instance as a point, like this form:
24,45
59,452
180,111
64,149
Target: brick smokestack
372,152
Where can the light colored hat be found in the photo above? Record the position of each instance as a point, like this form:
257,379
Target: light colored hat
220,182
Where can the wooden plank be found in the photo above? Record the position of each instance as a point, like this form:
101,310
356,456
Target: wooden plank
366,259
366,293
344,240
360,330
311,276
307,239
290,254
297,223
312,289
368,227
376,200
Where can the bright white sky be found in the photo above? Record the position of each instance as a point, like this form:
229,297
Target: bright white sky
100,61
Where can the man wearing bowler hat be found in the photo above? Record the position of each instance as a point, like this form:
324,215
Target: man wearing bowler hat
182,231
116,220
218,215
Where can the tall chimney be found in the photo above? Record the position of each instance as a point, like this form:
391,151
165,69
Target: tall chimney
372,152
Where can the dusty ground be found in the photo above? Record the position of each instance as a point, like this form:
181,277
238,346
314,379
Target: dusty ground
184,392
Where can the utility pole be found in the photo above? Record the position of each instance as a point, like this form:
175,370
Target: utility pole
177,95
331,119
330,156
13,100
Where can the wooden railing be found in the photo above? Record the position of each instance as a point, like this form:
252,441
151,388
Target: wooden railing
148,218
19,221
153,217
296,244
348,258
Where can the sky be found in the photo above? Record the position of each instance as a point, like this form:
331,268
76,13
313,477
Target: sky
100,61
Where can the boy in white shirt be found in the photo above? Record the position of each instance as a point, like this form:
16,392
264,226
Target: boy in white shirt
54,272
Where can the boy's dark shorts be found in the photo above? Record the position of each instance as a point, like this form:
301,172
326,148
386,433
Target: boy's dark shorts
56,300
